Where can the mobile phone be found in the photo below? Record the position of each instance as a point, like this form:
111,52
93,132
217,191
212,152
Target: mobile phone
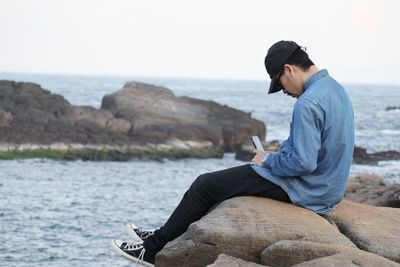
257,143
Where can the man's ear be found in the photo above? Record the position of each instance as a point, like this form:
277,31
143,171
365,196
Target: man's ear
289,69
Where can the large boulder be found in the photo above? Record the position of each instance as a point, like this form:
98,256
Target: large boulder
30,114
373,229
291,252
243,227
156,115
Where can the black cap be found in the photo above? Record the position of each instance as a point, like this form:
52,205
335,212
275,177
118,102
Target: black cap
276,57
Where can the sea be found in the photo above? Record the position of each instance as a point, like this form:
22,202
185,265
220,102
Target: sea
65,213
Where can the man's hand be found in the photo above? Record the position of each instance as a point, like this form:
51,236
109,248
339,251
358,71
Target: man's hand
259,156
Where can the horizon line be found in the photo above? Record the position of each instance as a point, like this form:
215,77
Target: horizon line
171,77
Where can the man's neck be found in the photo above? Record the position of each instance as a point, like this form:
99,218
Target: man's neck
307,74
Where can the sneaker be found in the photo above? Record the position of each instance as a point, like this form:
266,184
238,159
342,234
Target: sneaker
131,251
138,234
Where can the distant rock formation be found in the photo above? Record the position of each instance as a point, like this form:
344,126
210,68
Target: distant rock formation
156,115
137,115
363,157
30,114
389,108
360,155
257,231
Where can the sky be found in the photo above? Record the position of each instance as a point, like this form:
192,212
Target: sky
358,41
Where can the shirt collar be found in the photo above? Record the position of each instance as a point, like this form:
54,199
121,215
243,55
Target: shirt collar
316,76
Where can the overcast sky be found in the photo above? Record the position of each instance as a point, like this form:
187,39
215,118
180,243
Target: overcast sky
356,40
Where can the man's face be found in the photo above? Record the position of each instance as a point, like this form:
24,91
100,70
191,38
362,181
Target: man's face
290,81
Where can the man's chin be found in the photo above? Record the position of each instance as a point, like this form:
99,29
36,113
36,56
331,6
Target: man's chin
295,96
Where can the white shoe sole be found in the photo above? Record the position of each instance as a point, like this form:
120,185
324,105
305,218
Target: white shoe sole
125,255
131,232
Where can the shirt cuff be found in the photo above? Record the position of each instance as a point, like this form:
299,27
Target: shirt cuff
267,160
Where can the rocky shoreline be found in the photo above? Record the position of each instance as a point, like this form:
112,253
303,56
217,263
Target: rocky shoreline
173,149
138,121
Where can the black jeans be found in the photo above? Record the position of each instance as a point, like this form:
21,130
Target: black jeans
206,191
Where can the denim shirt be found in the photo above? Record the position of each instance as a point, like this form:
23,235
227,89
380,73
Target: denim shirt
313,164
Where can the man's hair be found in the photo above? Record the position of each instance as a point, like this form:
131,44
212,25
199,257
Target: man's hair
300,59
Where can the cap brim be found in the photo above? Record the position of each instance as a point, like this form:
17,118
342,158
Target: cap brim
272,86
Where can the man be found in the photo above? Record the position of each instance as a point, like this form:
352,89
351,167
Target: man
310,169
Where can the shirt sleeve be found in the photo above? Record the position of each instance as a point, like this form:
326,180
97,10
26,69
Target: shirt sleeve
285,146
300,156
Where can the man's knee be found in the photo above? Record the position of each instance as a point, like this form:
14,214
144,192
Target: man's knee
202,183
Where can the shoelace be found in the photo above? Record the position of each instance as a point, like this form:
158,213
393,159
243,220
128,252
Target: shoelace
132,246
143,234
141,255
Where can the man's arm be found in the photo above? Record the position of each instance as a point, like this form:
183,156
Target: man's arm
300,157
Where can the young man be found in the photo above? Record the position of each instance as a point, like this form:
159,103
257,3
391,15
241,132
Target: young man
310,169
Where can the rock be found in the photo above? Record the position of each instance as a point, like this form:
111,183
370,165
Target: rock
389,108
156,115
361,156
373,190
5,118
119,125
386,155
373,229
225,260
329,261
100,117
31,114
243,227
346,260
292,252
